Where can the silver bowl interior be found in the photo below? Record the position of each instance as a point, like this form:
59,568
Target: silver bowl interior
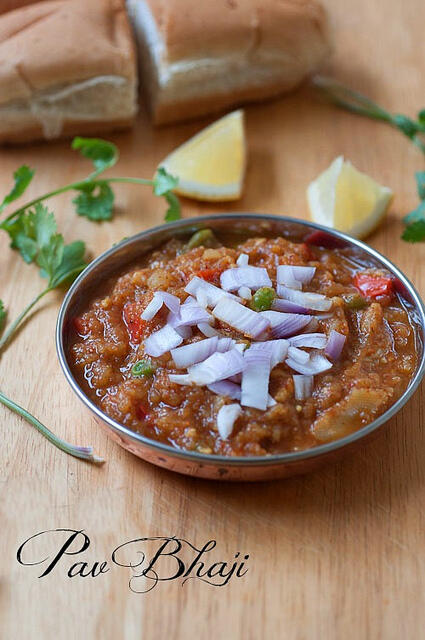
131,250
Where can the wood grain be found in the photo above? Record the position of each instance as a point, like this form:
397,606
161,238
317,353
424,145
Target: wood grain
336,554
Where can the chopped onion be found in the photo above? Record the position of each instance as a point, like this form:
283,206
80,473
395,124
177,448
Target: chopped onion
213,293
335,344
243,260
245,293
180,378
289,307
190,314
202,298
226,418
208,330
315,301
255,379
218,366
294,276
285,324
192,353
297,354
226,388
184,332
160,298
245,320
312,340
303,386
152,309
316,364
162,341
277,349
252,277
225,344
240,346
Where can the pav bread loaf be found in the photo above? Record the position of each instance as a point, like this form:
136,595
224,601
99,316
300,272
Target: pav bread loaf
198,57
66,67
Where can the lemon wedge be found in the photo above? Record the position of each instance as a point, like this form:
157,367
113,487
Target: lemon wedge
346,199
211,165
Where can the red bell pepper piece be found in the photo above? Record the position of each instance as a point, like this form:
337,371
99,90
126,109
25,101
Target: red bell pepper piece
209,275
372,286
326,240
134,323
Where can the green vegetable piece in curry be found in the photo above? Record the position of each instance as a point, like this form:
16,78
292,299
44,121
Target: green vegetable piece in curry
143,368
203,237
355,301
262,299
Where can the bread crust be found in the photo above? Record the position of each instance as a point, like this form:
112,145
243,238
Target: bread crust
263,48
63,42
55,46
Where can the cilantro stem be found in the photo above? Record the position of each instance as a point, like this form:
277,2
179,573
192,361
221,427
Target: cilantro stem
84,453
15,324
357,103
74,186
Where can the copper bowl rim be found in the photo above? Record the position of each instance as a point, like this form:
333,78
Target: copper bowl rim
238,461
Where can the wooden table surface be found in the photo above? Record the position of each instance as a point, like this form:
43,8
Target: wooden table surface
336,554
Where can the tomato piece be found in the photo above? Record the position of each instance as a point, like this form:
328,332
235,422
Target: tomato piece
80,326
372,286
326,240
142,411
209,274
134,323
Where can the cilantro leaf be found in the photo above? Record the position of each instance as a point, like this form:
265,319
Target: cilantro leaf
173,211
30,231
50,257
415,232
420,182
95,201
71,265
3,315
416,214
34,234
102,153
163,182
22,177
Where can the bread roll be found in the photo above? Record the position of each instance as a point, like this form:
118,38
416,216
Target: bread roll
66,67
197,57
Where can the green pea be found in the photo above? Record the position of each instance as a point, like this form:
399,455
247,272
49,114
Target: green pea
262,299
142,368
203,237
354,301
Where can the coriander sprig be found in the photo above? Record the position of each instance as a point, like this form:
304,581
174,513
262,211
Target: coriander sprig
85,453
3,315
34,234
95,197
413,129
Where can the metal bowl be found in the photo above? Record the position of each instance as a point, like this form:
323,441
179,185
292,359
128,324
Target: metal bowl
212,466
